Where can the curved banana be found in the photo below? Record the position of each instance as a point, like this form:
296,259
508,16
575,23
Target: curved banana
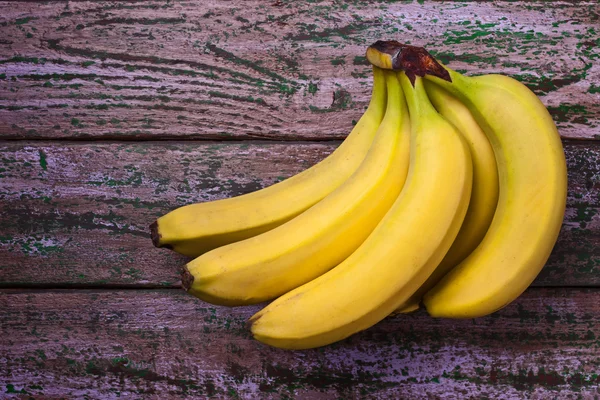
268,265
197,228
400,253
484,195
531,204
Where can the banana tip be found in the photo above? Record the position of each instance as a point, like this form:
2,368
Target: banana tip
156,236
186,279
252,320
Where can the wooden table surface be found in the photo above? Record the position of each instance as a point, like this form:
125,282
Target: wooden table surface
112,113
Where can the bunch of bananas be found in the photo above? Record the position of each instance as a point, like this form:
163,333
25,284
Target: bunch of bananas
449,192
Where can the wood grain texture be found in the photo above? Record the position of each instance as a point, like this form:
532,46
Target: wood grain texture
84,209
167,344
75,212
273,70
78,214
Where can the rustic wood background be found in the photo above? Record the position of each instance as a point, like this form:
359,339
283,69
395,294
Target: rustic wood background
114,112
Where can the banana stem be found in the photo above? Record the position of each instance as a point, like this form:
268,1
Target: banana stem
414,61
456,86
416,97
396,101
378,102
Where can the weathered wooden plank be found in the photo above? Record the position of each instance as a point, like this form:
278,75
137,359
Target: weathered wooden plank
84,209
276,70
78,214
106,344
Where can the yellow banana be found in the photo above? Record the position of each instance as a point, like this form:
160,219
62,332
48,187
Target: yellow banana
484,195
268,265
400,253
531,204
197,228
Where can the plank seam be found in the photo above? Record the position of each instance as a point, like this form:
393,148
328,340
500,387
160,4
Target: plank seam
171,140
125,287
78,286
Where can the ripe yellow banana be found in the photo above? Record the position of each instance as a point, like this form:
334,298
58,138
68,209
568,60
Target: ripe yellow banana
531,204
268,265
400,253
197,228
484,195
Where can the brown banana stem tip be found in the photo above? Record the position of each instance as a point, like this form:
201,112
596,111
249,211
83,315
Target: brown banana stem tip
414,61
156,236
186,279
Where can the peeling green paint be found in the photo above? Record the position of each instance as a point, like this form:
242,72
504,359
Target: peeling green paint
24,20
10,389
43,161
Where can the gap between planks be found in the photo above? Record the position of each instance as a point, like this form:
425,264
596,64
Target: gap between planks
51,287
249,140
171,140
